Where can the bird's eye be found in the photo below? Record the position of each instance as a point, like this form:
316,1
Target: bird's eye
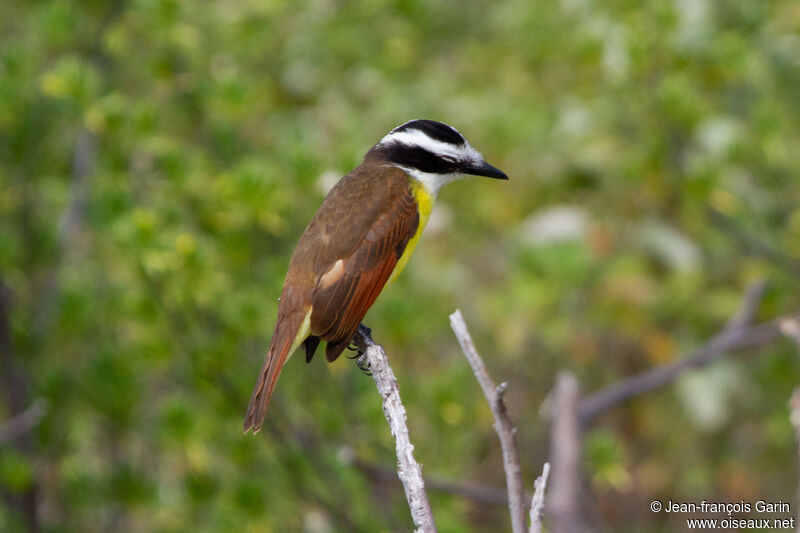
448,159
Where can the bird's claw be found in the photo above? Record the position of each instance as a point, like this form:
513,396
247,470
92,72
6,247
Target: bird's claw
359,343
352,347
363,363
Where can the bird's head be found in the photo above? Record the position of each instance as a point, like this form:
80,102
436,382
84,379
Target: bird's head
432,153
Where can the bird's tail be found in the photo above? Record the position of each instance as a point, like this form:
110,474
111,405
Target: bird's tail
289,333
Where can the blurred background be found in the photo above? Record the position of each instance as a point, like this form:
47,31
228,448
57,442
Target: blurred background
160,158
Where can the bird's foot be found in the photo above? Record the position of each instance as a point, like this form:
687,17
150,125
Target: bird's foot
363,364
359,344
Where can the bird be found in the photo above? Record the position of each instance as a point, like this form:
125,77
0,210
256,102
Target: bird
359,240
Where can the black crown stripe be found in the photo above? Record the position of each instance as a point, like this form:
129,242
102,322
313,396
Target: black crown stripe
434,130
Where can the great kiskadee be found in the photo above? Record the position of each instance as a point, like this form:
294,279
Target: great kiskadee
361,237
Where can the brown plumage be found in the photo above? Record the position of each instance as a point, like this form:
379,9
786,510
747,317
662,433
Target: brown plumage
369,222
341,263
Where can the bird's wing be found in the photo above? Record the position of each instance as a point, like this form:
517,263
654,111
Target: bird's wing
350,285
340,264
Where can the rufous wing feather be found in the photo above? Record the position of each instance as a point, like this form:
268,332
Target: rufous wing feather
340,303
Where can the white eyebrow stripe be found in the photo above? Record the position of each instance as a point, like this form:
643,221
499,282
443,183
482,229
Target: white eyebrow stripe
413,137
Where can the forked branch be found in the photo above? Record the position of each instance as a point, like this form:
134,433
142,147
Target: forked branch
502,423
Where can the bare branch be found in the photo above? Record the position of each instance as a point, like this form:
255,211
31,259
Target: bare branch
502,423
738,335
70,226
790,327
794,418
537,503
83,162
476,492
15,387
753,244
22,422
748,307
565,456
408,469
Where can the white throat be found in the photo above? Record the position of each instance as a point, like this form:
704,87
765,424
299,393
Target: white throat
432,182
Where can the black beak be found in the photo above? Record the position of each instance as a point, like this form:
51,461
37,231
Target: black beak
484,169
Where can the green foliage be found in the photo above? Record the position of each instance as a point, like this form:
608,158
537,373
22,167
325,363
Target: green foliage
652,155
15,471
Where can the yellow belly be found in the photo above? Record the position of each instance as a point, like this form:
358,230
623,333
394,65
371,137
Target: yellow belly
425,205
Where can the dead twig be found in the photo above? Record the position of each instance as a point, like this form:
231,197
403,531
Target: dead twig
408,469
15,387
537,502
738,334
476,492
70,227
748,306
754,244
502,423
794,418
22,422
565,457
790,327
